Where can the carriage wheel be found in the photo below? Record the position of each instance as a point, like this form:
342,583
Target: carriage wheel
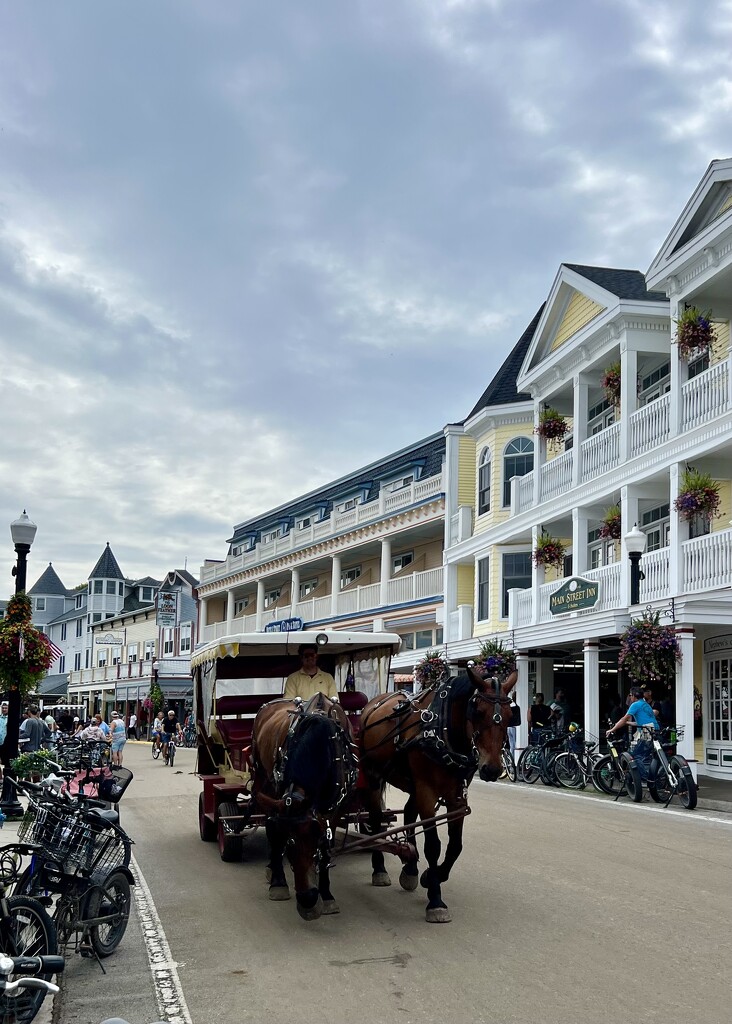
205,826
230,843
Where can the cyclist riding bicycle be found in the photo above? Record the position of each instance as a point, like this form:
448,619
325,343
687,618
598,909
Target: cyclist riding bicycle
157,729
171,727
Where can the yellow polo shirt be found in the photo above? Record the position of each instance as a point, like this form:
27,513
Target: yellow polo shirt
300,684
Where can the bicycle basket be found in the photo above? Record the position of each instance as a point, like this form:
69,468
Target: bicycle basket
114,783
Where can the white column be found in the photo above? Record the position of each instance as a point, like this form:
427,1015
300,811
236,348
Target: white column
545,678
385,571
202,617
679,375
539,457
537,576
230,611
260,605
450,624
294,589
335,584
580,523
629,517
579,426
522,699
628,398
678,531
592,687
685,693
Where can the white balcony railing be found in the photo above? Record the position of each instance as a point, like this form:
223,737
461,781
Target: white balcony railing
706,562
416,587
649,426
601,452
608,578
705,396
336,523
655,567
523,607
556,476
524,490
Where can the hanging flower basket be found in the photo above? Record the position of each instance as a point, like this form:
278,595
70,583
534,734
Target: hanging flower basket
549,551
648,650
154,700
552,425
694,333
612,525
25,652
431,669
699,496
610,383
495,659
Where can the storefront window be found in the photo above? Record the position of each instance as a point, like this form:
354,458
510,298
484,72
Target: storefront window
718,702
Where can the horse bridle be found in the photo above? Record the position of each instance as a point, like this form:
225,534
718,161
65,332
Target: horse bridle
496,698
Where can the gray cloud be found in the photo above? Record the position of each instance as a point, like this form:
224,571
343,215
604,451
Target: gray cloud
247,247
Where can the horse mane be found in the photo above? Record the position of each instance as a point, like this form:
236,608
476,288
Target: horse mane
461,687
311,761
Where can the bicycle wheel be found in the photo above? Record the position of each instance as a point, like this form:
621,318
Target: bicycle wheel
604,776
687,788
155,750
171,754
568,771
509,765
659,787
632,779
26,931
113,900
529,765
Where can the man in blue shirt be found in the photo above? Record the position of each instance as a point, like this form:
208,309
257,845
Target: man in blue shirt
640,713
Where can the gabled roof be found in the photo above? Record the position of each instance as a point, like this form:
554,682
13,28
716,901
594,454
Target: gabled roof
146,581
184,575
626,284
73,613
502,389
49,584
106,568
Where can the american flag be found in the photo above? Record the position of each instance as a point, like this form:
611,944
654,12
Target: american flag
21,647
55,651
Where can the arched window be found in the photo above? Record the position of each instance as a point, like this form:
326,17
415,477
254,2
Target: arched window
518,460
484,482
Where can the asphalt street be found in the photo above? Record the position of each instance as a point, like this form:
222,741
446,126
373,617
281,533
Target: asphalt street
565,909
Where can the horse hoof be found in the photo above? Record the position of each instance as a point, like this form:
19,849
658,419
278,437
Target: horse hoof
380,878
313,913
279,892
331,907
408,882
438,915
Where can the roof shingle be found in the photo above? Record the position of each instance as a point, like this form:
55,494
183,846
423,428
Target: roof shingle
626,284
49,584
502,389
106,568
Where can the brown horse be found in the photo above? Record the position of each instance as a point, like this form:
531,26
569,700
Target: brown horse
303,771
430,746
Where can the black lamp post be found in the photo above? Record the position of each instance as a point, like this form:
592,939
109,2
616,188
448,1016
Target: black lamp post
635,545
23,532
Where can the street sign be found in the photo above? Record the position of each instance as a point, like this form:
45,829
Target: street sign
575,595
167,609
284,626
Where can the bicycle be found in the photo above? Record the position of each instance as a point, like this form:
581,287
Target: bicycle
616,773
21,999
156,747
189,735
670,776
27,933
537,761
574,767
509,765
80,855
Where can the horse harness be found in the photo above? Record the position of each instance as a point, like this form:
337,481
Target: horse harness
433,736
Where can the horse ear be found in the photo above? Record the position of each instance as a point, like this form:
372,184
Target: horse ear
476,678
510,684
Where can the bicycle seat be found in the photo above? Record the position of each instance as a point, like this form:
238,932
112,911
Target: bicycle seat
589,745
106,814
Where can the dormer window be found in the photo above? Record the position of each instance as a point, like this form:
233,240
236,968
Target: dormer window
400,484
273,534
79,603
348,504
237,550
40,604
146,594
305,523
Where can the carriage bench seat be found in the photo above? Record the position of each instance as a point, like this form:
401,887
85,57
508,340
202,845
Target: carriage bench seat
235,719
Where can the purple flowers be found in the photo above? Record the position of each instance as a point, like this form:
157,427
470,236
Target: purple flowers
549,551
648,650
431,669
694,333
699,496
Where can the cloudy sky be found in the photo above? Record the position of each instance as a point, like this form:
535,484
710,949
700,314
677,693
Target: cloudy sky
248,246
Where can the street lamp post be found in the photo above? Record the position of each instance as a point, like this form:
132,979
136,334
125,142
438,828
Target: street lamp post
23,532
635,545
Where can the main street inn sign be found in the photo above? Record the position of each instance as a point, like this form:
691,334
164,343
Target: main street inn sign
574,595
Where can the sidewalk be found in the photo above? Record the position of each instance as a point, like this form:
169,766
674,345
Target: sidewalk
714,794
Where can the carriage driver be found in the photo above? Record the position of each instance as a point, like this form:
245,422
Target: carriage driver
309,679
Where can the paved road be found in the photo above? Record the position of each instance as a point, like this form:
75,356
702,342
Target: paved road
565,909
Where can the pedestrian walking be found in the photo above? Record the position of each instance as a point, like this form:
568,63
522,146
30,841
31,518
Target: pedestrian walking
52,727
118,736
132,727
34,731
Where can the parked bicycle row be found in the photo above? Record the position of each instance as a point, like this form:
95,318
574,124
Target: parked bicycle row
65,884
573,760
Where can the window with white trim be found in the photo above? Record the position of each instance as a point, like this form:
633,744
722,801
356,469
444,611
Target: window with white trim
307,587
655,384
484,482
348,504
111,587
97,617
599,417
101,657
484,588
149,650
422,639
40,604
133,651
400,562
349,576
116,655
516,575
146,594
518,460
271,597
79,627
185,638
79,601
304,523
62,663
239,605
63,630
77,661
168,643
98,586
655,523
400,484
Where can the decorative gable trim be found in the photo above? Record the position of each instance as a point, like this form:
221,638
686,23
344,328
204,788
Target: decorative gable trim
580,309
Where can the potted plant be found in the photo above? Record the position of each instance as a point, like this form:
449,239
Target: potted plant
431,669
698,495
610,383
495,659
25,652
648,650
549,551
552,425
694,333
611,527
35,763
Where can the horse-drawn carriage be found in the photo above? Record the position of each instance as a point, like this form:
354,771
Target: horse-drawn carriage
313,773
